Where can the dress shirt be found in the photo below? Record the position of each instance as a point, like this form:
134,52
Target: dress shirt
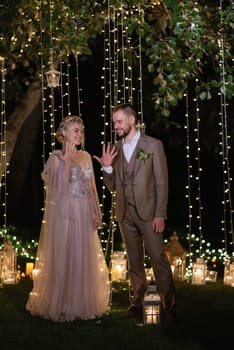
129,147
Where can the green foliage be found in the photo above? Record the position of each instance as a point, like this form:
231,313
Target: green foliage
180,40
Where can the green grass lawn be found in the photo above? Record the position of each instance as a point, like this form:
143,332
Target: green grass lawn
205,320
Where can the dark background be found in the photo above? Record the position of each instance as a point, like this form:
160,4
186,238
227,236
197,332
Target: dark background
24,209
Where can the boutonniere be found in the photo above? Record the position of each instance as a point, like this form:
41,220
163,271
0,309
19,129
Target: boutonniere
142,155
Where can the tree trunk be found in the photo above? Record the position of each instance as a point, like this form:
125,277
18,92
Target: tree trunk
17,120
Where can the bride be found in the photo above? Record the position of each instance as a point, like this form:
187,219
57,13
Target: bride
71,278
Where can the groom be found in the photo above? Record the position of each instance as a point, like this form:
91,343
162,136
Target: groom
136,168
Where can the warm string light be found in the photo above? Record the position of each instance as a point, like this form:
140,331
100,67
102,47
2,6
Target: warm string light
227,222
140,80
26,249
121,84
195,243
78,89
189,178
68,65
42,74
199,169
61,105
52,114
51,94
3,150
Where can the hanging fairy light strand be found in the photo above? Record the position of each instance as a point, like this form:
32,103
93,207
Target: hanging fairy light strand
78,89
3,150
68,66
119,85
193,186
140,79
189,177
141,124
43,88
106,134
61,105
227,222
199,170
121,96
53,81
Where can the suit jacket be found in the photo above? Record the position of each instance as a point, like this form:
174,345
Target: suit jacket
150,180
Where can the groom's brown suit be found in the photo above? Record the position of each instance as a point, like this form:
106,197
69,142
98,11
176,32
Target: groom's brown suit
141,194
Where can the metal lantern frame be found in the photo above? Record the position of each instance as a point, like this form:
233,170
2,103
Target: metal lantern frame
8,272
151,306
53,77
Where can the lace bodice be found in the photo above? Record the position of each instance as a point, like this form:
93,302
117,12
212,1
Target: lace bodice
79,180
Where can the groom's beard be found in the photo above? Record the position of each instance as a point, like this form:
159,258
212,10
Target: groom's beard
125,133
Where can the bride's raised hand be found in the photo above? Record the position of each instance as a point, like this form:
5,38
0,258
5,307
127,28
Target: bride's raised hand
108,155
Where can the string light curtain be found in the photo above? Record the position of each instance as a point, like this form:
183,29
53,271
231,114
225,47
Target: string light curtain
122,76
195,235
227,221
122,83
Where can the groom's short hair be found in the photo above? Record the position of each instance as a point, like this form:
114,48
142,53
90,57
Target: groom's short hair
128,109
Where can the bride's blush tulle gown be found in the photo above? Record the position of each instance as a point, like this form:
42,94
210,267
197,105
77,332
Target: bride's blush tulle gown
71,278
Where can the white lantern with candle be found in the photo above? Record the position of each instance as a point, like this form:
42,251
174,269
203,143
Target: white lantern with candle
177,257
199,272
211,276
151,306
9,274
118,266
29,269
228,277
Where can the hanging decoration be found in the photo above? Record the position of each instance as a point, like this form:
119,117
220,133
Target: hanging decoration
8,256
227,220
122,83
193,187
53,76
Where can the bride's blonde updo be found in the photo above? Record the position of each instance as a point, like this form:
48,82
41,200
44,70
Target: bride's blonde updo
63,125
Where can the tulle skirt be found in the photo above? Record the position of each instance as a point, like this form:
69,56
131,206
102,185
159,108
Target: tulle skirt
71,278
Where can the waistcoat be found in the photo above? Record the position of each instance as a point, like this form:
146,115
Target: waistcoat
128,169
